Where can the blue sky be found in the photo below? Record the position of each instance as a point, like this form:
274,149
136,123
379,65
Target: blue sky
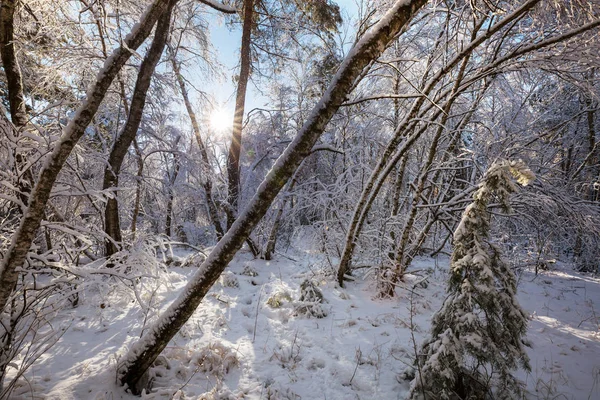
226,44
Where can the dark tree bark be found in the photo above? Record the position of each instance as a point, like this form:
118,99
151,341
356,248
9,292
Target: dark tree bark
219,6
593,157
272,239
112,225
143,353
16,98
233,160
10,64
30,222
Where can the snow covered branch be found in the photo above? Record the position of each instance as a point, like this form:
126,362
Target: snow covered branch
224,8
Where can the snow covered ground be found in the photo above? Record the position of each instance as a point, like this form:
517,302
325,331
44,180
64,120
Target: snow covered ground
250,340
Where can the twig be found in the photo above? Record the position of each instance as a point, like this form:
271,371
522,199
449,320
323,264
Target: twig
283,255
358,355
256,315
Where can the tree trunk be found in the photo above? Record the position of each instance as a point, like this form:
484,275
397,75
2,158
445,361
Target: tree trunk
16,98
272,239
172,180
385,165
30,222
593,150
206,170
10,64
401,260
143,353
138,187
233,160
112,224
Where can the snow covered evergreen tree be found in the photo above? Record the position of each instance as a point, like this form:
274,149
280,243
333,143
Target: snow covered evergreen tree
477,336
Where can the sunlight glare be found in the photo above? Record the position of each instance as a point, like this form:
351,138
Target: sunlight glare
220,120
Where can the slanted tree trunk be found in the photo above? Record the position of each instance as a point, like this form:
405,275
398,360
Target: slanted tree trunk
140,165
392,155
204,162
171,194
112,225
31,219
401,259
143,353
233,159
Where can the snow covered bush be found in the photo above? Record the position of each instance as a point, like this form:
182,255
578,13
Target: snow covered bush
228,279
219,393
26,328
278,299
310,301
249,271
217,359
477,336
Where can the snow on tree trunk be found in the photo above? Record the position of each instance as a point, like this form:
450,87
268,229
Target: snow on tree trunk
405,133
477,336
205,168
31,220
112,225
136,362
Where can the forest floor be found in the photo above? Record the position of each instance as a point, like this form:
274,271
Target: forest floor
251,337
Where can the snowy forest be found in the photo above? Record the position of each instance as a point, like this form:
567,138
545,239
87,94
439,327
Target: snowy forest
302,199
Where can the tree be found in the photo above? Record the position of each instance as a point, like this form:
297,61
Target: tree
477,336
321,16
233,159
16,99
127,135
502,47
142,354
31,219
205,166
11,65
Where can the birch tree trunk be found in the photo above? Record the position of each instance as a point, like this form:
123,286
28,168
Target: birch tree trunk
388,160
112,225
143,353
31,219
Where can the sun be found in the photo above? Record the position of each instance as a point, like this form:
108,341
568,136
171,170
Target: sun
220,120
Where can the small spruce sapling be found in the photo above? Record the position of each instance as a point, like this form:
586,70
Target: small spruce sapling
477,336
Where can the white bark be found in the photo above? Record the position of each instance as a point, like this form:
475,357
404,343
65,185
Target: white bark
143,353
30,222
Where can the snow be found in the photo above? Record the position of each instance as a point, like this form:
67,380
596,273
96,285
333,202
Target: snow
220,6
238,346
